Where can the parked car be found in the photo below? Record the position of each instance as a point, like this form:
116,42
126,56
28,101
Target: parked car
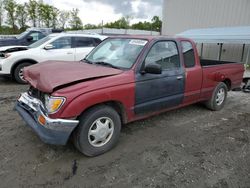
28,37
122,80
63,46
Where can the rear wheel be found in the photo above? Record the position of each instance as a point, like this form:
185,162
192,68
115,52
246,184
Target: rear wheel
218,98
18,73
98,131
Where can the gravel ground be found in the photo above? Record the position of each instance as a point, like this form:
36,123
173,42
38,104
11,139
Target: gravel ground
188,147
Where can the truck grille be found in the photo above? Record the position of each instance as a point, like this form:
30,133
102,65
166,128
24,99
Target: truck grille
33,92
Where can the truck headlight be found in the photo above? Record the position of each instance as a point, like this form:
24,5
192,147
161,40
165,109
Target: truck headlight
53,104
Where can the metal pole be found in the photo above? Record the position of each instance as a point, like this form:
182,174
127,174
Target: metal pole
102,27
201,50
243,51
219,54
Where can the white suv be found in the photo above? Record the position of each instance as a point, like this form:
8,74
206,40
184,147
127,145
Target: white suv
60,47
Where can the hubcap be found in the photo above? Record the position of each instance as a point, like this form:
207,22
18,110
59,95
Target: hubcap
21,74
220,96
101,131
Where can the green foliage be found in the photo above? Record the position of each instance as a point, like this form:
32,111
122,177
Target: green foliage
154,25
45,11
63,18
122,23
1,12
92,26
10,6
75,22
32,10
22,16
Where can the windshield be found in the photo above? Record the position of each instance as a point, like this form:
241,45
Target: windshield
40,42
121,53
22,35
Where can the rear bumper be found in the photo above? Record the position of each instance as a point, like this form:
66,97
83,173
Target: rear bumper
53,131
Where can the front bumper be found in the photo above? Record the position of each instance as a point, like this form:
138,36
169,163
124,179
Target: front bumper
52,131
4,67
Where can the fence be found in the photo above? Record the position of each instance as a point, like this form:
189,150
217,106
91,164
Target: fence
106,31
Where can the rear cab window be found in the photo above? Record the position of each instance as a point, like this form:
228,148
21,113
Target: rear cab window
188,54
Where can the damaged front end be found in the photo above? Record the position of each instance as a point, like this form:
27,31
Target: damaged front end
4,53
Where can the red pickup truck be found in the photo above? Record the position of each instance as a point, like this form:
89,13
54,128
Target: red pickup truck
122,80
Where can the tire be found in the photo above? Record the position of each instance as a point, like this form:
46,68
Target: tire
18,73
218,98
98,131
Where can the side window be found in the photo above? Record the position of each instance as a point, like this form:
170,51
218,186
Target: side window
83,42
188,54
62,43
36,36
164,53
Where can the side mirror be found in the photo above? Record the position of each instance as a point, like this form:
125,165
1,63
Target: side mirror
48,47
29,38
153,68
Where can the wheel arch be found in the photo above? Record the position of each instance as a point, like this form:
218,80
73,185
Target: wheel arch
228,83
19,62
116,105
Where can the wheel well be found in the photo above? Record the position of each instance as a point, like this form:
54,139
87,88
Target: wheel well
21,61
228,83
118,106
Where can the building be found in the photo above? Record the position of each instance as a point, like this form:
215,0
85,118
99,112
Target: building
181,15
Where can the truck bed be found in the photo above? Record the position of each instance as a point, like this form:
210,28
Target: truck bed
207,62
211,69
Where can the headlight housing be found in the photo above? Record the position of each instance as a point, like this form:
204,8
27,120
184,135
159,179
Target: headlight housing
53,104
4,55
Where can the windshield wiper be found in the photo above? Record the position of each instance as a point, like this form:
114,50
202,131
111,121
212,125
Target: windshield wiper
86,61
106,64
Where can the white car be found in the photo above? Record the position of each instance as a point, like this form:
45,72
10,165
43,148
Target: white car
60,47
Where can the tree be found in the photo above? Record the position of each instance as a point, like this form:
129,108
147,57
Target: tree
122,23
75,21
63,18
91,26
21,15
10,7
46,14
142,26
1,12
54,15
32,11
156,23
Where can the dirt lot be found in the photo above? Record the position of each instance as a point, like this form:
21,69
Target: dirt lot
189,147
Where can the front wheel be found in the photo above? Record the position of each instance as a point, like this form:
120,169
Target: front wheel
18,73
98,131
218,98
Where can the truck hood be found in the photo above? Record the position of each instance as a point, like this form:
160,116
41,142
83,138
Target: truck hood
4,48
11,49
50,75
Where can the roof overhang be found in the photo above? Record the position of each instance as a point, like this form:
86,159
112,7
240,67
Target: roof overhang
225,35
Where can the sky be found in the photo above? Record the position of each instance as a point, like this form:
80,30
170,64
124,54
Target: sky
94,11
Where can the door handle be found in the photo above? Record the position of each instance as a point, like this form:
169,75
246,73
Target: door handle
69,53
179,77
